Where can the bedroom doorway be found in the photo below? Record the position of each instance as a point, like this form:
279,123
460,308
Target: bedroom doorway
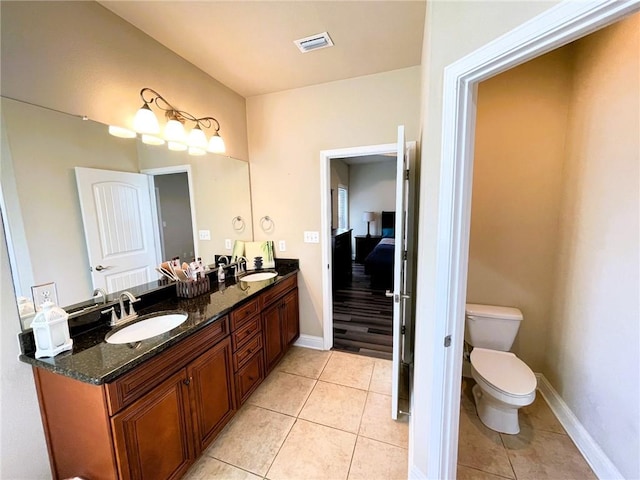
362,226
339,251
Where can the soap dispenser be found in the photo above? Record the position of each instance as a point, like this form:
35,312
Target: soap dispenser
51,330
220,273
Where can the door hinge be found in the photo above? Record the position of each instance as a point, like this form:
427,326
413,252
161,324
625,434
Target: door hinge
447,341
404,255
403,330
406,174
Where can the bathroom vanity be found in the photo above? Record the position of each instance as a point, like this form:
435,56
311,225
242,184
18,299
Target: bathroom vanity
147,410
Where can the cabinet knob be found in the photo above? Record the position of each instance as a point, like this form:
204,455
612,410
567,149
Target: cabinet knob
187,381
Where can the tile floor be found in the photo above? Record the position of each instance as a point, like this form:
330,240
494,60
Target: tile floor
325,415
542,449
319,415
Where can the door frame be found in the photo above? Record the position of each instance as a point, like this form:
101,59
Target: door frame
152,172
437,374
325,229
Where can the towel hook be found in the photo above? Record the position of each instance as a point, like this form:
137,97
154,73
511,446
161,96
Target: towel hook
266,223
238,223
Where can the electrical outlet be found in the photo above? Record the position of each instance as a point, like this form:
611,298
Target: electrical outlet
204,234
227,243
282,246
311,237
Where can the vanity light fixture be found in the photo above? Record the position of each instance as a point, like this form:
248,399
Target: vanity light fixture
146,124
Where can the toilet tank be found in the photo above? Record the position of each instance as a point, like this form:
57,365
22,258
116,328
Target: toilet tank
491,327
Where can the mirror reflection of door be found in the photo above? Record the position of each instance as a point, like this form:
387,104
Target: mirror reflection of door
117,220
174,216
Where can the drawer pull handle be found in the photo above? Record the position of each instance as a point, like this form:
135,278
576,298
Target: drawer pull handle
251,378
249,351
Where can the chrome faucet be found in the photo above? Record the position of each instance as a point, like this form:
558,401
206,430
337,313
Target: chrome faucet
124,316
241,267
100,291
226,259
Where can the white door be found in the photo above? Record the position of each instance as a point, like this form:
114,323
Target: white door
117,218
399,274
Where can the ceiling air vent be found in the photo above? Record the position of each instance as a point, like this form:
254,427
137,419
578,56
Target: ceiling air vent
314,42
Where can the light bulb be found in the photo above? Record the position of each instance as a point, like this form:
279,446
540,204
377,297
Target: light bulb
146,121
216,144
174,131
197,138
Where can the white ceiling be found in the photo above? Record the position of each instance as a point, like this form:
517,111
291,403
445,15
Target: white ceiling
248,45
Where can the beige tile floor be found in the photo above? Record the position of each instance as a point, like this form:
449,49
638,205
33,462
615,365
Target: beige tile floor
326,415
319,415
542,449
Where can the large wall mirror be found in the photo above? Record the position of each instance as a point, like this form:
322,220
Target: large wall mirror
41,210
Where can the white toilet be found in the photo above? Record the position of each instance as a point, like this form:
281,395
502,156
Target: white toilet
504,383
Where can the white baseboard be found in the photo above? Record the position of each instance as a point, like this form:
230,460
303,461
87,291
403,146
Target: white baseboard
309,341
593,454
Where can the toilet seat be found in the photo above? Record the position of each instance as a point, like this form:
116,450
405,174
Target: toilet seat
504,373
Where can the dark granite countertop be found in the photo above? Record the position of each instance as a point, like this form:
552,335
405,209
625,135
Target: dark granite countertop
93,360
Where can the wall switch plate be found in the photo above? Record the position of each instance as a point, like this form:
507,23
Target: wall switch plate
227,243
311,237
282,246
204,234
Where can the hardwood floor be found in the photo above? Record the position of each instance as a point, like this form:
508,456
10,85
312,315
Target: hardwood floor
362,318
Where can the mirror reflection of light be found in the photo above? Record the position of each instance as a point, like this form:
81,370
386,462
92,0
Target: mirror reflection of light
121,132
152,140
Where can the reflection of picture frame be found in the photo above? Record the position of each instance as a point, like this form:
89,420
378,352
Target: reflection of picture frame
42,293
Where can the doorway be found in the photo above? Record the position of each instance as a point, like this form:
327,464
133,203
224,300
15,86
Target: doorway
174,215
363,213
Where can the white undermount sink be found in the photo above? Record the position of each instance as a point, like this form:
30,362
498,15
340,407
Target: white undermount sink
147,328
257,277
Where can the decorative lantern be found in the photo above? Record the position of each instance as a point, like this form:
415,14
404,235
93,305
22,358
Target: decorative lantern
51,330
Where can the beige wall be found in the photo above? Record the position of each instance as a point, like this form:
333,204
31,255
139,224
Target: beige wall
287,131
372,188
517,183
593,337
23,452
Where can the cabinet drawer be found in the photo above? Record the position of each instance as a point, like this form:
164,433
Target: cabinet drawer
245,332
139,381
277,291
242,314
248,378
242,356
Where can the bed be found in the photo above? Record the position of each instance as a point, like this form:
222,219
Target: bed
379,263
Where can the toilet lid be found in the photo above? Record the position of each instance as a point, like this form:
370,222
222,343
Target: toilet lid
504,371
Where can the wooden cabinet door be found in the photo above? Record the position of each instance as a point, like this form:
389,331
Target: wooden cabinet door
152,436
249,377
291,323
211,390
272,330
